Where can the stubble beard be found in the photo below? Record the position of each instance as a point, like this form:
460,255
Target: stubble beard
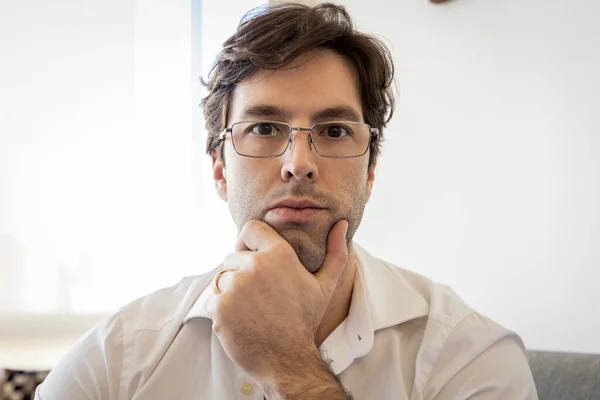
310,246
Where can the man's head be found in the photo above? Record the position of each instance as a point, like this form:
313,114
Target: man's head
299,66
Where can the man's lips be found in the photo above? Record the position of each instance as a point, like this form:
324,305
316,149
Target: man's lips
294,210
296,203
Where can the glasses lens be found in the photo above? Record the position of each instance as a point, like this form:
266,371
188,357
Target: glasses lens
260,139
341,139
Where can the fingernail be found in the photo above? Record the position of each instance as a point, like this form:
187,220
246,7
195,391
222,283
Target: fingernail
346,231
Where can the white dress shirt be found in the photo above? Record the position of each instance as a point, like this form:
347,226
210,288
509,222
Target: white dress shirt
405,337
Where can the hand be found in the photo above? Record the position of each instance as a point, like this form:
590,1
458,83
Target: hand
270,308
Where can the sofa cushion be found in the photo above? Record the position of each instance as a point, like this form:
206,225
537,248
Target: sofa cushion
566,376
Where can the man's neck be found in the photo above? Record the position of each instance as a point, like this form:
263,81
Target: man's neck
339,306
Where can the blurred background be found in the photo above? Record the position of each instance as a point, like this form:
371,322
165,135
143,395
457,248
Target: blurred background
488,180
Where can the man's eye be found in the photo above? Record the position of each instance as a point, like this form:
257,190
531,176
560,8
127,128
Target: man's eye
264,129
336,131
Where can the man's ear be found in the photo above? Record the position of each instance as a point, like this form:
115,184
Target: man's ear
371,178
219,174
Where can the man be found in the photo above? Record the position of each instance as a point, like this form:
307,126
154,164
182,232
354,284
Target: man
296,106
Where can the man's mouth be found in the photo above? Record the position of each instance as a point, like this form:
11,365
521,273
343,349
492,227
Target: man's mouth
294,210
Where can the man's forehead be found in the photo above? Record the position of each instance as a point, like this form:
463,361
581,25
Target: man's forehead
321,86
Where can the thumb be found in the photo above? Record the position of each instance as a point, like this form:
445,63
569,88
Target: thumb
335,258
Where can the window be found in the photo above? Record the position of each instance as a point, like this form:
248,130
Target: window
105,191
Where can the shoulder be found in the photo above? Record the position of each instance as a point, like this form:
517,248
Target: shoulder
404,295
410,295
113,358
456,340
397,295
475,357
169,305
154,312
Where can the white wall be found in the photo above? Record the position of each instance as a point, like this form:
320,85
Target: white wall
489,176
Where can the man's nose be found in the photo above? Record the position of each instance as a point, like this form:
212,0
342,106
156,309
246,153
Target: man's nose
299,158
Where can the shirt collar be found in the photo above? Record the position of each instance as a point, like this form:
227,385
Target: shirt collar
354,337
394,295
381,298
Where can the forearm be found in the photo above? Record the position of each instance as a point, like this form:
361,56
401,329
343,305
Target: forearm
307,377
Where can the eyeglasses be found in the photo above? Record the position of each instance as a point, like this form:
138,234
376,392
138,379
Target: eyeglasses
268,139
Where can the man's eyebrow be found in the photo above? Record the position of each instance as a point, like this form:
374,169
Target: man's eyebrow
265,110
343,113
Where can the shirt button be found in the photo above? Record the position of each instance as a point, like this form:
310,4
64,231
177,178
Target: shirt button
246,388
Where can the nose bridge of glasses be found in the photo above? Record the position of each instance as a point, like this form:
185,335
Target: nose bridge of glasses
292,137
295,130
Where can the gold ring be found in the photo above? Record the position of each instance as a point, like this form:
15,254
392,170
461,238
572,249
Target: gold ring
216,280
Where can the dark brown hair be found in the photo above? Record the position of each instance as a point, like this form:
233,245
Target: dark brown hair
273,36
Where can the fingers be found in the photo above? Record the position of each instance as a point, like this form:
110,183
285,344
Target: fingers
256,236
232,262
223,282
226,280
336,258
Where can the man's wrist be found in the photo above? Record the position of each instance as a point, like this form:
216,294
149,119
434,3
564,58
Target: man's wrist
305,376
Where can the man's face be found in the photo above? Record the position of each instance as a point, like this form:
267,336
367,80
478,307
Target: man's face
299,95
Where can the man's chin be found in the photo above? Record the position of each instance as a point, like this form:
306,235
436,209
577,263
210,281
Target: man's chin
310,247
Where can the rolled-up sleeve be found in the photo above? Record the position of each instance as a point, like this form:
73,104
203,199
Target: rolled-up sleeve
91,369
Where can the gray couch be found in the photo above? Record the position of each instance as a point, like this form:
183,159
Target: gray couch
566,376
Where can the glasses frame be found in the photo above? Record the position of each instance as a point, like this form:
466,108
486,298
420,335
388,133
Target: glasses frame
373,131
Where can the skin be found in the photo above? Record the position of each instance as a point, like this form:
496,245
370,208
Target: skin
292,283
